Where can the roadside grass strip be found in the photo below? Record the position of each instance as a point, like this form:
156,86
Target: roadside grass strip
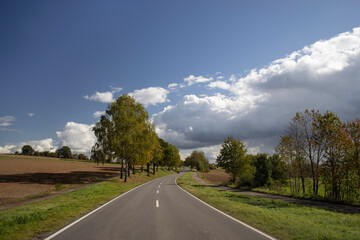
38,219
280,219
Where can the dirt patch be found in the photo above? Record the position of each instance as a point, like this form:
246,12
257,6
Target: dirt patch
216,176
21,177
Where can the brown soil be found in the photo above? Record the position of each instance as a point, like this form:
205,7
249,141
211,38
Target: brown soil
216,176
21,176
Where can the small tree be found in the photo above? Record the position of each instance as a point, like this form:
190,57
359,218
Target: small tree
233,159
197,159
64,152
263,169
27,150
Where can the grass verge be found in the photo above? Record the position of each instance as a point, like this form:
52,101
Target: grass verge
279,219
36,219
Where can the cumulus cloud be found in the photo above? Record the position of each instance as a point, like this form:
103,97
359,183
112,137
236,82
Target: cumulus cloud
40,146
150,96
31,114
79,137
193,79
220,84
98,114
105,97
258,107
7,121
7,149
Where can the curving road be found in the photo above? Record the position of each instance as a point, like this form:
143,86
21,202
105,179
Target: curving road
157,210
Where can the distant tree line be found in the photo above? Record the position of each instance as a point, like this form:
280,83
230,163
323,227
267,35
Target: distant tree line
63,152
198,161
317,147
250,170
126,135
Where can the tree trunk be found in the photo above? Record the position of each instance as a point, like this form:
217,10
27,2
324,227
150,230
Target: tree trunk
126,167
122,169
128,170
148,168
133,169
142,168
154,168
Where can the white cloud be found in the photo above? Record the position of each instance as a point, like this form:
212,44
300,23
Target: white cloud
258,107
115,89
7,121
105,97
150,96
7,149
40,146
79,137
200,79
172,85
98,114
220,84
31,114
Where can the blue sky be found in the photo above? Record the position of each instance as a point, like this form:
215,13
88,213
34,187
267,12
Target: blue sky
56,55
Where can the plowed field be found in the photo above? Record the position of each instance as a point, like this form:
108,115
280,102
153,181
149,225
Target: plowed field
216,176
22,176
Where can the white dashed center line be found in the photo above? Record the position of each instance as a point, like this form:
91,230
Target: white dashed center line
157,192
157,203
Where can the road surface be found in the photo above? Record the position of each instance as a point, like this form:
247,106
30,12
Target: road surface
157,210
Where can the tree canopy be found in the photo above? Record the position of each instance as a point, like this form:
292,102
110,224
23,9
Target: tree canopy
27,150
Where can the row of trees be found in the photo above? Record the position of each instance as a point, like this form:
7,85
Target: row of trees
63,152
125,134
247,169
325,149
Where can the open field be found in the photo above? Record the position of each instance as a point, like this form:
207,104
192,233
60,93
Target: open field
24,176
278,218
38,219
215,176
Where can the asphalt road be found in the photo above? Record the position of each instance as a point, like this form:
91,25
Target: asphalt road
158,210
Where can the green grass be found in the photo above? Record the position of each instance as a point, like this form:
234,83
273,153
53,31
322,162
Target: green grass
35,219
278,218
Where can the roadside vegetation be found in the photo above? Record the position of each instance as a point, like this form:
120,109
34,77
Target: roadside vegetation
317,158
33,220
278,218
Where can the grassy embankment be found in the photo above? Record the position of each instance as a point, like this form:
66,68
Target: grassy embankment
32,220
282,190
280,219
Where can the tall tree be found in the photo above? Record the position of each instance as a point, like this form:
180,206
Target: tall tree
121,131
232,157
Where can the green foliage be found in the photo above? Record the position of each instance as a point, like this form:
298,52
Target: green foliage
64,152
83,157
322,147
278,169
126,134
263,167
233,159
170,155
27,150
198,160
